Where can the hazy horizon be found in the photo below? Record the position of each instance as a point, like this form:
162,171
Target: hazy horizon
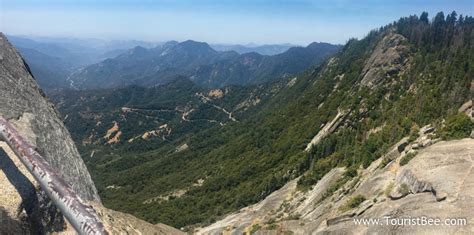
215,22
47,38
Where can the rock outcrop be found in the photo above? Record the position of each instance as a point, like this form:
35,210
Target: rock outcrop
437,183
388,58
328,128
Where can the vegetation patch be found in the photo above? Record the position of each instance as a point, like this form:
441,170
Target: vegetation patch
348,175
353,202
389,189
255,228
405,159
385,162
404,189
294,216
457,126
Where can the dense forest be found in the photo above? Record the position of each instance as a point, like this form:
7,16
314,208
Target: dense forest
227,167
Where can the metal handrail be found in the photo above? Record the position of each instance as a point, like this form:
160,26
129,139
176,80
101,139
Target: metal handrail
81,216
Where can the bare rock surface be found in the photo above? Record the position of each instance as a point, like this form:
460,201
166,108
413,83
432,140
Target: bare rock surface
121,223
466,108
437,183
24,209
328,128
388,58
242,221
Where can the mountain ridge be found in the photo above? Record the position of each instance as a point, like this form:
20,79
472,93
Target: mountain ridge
201,63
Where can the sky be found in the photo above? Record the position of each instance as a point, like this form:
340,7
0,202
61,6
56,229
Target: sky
213,21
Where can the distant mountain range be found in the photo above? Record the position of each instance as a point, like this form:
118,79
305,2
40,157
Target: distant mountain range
93,64
79,52
52,60
199,62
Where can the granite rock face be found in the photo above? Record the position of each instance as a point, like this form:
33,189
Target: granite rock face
387,60
23,103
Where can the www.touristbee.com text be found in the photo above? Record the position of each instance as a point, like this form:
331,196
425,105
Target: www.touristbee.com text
410,221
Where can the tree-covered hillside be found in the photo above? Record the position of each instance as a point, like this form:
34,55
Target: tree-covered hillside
383,87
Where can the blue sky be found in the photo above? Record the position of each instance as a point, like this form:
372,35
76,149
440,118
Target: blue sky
214,21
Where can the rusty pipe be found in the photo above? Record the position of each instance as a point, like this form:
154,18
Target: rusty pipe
81,216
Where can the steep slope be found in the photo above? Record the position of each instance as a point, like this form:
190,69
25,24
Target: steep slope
25,105
50,72
433,184
25,211
199,62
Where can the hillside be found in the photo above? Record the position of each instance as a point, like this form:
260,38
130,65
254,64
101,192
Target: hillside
347,113
137,118
198,61
253,68
50,72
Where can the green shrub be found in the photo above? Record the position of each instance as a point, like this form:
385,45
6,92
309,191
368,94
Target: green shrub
351,171
385,162
255,228
271,226
403,189
353,202
389,189
405,159
294,216
334,187
413,136
457,126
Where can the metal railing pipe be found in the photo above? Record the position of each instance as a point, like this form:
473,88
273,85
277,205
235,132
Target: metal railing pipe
81,216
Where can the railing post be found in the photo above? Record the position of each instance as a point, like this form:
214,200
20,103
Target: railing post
81,216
